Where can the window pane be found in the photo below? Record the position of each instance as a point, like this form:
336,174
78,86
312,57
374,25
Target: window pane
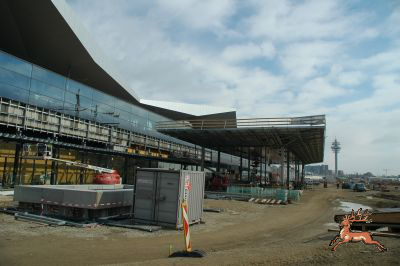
13,78
15,64
70,97
13,93
122,105
103,98
76,87
48,77
139,111
44,101
45,89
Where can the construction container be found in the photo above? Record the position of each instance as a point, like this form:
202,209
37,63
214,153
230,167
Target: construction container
160,192
77,202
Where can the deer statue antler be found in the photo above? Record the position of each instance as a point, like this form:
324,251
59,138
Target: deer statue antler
362,217
351,217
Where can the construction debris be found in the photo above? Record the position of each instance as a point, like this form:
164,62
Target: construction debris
38,219
213,210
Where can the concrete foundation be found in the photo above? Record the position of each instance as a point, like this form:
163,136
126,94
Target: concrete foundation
77,202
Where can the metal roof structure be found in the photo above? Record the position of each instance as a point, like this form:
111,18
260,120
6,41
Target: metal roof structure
48,33
302,136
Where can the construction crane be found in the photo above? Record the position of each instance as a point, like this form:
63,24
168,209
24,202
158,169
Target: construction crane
43,151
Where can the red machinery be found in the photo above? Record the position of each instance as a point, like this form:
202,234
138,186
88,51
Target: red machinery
107,178
219,183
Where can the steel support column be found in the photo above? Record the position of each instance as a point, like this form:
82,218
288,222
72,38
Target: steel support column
3,182
261,168
241,163
248,165
54,170
81,170
16,162
125,176
302,173
219,162
287,168
203,151
282,165
266,159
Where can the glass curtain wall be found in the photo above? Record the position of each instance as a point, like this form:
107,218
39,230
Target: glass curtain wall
29,83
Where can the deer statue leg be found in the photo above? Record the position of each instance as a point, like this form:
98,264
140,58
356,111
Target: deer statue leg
340,242
378,245
334,240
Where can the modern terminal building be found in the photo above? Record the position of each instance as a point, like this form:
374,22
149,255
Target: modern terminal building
57,88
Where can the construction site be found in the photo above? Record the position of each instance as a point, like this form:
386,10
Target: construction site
93,175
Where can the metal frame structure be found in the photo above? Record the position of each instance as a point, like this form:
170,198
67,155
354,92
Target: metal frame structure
302,136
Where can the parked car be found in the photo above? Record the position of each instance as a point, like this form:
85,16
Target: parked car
360,187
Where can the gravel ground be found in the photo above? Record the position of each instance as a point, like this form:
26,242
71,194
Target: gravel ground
243,234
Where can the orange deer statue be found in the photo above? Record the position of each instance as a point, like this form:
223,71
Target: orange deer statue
348,236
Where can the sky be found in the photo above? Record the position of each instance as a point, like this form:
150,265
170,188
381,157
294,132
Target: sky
267,59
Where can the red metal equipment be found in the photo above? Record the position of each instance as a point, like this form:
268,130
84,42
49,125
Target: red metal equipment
219,183
107,178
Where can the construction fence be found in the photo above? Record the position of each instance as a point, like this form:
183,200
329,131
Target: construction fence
270,193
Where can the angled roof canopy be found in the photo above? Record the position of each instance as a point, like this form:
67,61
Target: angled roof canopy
303,136
49,34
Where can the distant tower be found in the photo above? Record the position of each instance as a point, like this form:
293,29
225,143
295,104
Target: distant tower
336,148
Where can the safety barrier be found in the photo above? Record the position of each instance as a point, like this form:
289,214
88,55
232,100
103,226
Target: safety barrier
271,193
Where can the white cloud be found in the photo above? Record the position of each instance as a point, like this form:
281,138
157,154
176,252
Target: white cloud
266,58
241,52
350,78
305,59
286,21
198,14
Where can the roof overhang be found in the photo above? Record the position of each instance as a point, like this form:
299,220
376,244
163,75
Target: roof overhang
302,136
186,111
49,34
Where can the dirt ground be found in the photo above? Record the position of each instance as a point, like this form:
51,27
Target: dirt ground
244,234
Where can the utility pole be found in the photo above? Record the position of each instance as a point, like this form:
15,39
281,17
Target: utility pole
336,149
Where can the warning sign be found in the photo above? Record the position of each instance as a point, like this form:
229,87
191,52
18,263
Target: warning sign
188,187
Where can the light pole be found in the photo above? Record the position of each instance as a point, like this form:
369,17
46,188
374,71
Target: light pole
336,149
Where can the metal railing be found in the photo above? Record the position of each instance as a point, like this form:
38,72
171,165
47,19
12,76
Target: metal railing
318,120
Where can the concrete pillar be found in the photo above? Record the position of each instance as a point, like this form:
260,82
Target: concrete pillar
302,173
219,161
203,154
287,168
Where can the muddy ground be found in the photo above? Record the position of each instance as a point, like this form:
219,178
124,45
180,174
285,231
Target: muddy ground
244,234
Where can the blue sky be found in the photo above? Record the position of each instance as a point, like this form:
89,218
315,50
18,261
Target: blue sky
266,59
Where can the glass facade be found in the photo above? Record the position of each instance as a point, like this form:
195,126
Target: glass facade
29,83
34,85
